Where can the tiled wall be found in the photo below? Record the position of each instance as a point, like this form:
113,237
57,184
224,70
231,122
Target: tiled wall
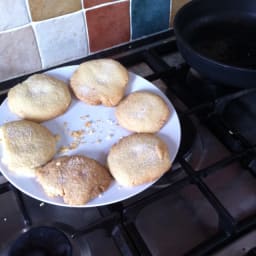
38,34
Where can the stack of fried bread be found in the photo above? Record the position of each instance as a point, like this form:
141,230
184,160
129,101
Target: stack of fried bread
29,148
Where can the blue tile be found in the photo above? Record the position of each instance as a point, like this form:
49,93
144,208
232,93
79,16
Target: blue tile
149,16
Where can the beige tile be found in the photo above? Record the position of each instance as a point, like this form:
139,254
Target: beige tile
13,13
176,5
61,39
45,9
18,53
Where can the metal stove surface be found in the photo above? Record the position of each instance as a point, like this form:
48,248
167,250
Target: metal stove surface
206,205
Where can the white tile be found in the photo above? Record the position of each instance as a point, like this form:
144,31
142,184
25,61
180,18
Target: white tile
13,13
61,39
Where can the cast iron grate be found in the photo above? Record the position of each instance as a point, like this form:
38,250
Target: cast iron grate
119,219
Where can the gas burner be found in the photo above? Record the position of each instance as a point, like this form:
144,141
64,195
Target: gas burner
41,241
205,89
188,128
240,113
189,134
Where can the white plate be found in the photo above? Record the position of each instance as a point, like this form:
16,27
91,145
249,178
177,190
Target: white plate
99,137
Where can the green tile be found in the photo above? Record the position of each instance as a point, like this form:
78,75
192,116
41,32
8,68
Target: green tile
149,16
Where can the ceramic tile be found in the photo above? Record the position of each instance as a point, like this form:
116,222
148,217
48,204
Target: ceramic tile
176,5
149,16
18,53
61,39
45,9
91,3
108,25
13,13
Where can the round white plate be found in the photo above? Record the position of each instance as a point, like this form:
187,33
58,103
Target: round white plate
101,131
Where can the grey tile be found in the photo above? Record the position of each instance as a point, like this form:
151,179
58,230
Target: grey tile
18,53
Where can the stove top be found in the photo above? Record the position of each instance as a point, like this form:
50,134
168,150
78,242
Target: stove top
206,205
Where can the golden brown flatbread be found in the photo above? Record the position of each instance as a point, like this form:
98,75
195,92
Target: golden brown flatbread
138,159
142,111
39,98
77,178
26,145
101,81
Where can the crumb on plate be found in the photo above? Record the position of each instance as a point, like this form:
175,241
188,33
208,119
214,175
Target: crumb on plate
77,133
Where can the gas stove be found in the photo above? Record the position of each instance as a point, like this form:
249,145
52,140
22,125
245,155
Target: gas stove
206,203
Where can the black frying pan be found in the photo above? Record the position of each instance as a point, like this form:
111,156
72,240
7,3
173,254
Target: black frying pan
218,39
